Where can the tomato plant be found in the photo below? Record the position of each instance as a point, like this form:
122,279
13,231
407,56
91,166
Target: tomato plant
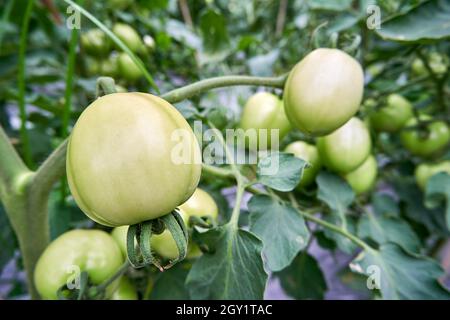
92,251
346,148
393,116
264,112
128,69
310,154
129,36
323,91
125,290
133,117
425,171
95,42
363,178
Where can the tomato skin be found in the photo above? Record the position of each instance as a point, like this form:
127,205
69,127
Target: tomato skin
393,116
93,251
264,110
119,235
323,91
128,69
129,37
434,143
310,154
363,178
201,204
95,42
347,148
125,290
120,160
425,171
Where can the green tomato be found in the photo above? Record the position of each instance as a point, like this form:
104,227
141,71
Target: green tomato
363,178
310,154
119,88
201,204
119,235
436,61
418,68
426,145
92,251
131,157
323,91
95,42
264,112
128,69
393,116
92,67
346,148
425,171
129,37
109,67
125,290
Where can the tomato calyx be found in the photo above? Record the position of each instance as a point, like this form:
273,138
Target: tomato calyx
142,255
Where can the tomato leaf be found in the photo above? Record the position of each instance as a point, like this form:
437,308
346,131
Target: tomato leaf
338,196
383,229
399,274
438,191
234,268
280,171
170,284
384,204
426,22
281,228
303,279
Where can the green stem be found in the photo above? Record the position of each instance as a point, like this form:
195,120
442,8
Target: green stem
21,83
193,89
237,206
217,171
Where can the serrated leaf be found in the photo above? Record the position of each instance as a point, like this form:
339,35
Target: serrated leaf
281,228
383,229
428,21
280,171
170,284
438,191
234,269
401,275
303,279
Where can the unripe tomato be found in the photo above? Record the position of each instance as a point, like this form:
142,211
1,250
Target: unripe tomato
201,204
363,178
95,42
423,144
310,154
418,68
109,67
131,157
346,148
119,4
129,37
264,112
92,251
127,68
92,67
425,171
323,91
125,290
119,235
393,116
436,61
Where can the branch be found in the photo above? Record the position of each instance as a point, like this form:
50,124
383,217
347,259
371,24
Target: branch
193,89
11,165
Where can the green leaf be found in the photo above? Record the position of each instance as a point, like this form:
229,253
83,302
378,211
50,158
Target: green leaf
428,21
338,195
170,284
336,5
437,192
214,30
383,229
234,268
384,204
281,229
280,171
303,279
401,275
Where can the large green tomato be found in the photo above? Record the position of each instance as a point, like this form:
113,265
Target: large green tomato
363,178
128,69
310,154
264,112
425,171
125,290
119,235
131,157
95,42
323,91
426,145
393,116
92,251
201,204
346,148
129,36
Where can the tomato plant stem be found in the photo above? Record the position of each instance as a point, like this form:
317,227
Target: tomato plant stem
114,277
